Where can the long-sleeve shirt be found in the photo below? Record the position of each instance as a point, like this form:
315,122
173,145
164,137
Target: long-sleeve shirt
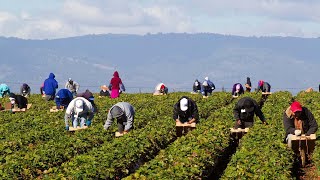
63,97
191,112
129,112
74,87
309,124
247,116
86,113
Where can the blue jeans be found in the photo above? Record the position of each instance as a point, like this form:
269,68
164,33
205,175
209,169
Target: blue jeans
75,121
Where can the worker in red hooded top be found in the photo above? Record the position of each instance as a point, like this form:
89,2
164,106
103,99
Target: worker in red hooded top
116,85
298,120
263,86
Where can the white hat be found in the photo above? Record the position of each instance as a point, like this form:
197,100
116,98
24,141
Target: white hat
79,106
206,78
184,104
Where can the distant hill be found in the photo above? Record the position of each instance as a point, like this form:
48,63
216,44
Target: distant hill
287,63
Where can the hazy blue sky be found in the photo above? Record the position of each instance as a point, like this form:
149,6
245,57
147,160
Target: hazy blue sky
48,19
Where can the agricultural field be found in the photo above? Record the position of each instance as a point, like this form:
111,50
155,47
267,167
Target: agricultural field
35,145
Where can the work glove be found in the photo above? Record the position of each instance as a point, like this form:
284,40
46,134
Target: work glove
67,128
88,123
297,132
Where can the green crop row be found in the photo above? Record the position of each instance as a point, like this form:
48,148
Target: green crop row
126,154
195,155
262,154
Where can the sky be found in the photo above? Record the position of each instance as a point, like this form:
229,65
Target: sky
52,19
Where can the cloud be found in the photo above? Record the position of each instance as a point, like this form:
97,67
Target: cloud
81,17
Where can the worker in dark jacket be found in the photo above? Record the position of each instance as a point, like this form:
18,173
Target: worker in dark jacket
25,90
104,91
50,86
185,111
21,101
298,120
63,98
248,85
244,112
89,96
263,86
196,86
237,89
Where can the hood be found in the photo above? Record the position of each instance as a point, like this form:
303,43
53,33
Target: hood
248,79
116,74
51,76
5,87
12,95
261,82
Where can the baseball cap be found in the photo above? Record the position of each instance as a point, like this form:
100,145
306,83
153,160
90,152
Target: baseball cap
79,105
184,104
295,106
248,105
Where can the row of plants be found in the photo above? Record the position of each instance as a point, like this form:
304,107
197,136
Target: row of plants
195,155
33,160
311,100
126,154
262,153
39,125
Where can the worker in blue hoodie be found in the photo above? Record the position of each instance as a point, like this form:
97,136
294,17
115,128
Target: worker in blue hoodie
49,88
63,98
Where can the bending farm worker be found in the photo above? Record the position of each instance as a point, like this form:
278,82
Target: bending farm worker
248,85
79,109
21,101
116,85
160,89
298,120
263,86
72,86
196,86
123,112
104,91
89,96
4,90
185,111
237,89
207,87
49,87
41,90
244,112
63,98
25,90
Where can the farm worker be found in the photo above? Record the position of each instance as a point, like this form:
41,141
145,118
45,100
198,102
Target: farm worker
207,86
185,111
123,112
25,90
41,90
237,89
116,85
72,86
263,86
196,86
89,96
21,101
49,87
79,109
104,91
160,89
63,98
4,89
298,120
248,85
244,112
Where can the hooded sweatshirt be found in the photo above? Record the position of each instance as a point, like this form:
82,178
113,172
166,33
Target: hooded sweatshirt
4,89
191,112
129,112
116,82
63,97
50,85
